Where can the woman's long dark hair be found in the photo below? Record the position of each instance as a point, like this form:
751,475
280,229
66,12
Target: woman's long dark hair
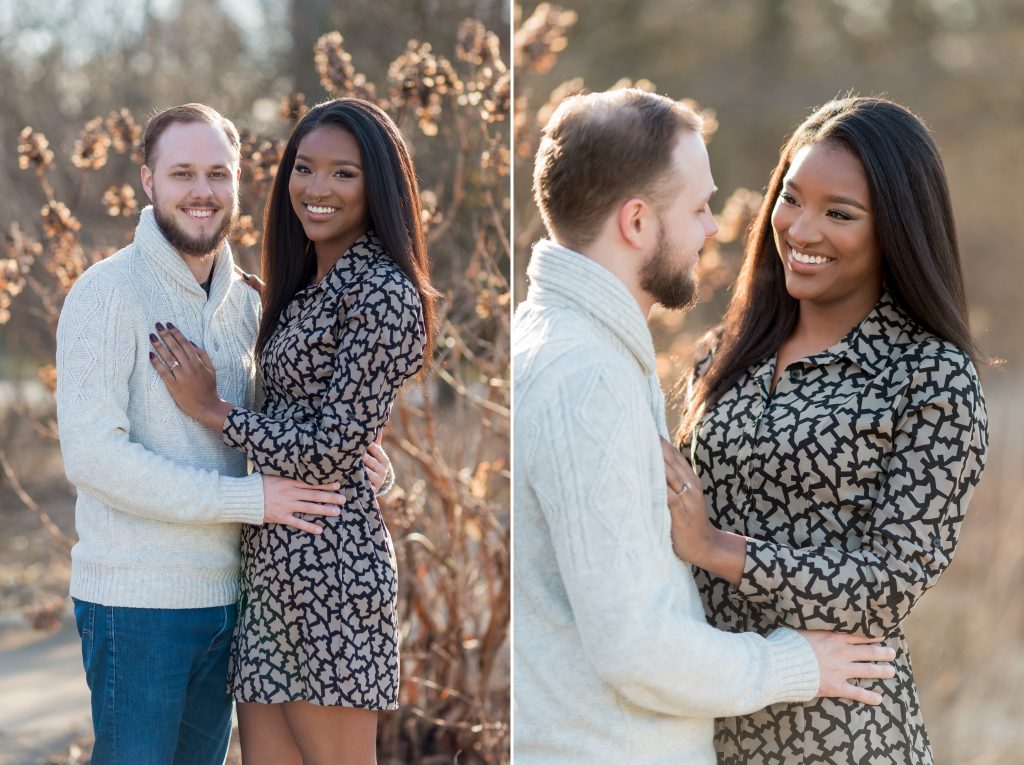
392,201
914,227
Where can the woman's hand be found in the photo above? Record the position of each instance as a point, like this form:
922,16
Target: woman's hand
189,375
694,538
252,280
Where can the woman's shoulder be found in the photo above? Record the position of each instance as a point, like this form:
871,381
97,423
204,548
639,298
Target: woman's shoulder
705,348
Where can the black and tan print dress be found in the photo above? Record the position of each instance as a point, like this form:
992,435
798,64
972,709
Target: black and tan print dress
851,479
317,613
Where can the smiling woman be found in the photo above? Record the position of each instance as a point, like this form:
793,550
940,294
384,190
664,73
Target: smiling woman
813,420
327,191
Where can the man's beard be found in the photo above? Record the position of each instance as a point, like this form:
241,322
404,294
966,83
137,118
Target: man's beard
670,286
186,243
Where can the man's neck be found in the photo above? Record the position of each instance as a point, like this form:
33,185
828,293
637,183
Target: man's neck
201,267
621,265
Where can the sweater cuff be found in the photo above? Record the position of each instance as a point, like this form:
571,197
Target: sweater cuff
792,666
241,499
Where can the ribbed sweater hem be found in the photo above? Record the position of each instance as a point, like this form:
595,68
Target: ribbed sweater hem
793,666
153,587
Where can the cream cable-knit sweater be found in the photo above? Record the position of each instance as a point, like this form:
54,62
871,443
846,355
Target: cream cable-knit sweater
614,661
160,497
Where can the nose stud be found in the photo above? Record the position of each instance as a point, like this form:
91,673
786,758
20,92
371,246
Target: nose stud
316,200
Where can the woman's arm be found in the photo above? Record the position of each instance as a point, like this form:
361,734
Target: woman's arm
937,460
380,344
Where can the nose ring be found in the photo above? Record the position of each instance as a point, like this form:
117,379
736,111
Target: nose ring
316,199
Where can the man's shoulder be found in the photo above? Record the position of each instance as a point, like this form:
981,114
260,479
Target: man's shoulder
241,297
105,280
557,351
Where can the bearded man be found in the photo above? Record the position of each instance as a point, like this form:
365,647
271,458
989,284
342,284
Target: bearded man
154,575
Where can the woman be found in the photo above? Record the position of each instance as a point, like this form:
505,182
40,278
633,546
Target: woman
347,319
837,425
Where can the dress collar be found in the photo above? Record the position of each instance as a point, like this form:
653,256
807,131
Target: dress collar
559,275
872,342
364,251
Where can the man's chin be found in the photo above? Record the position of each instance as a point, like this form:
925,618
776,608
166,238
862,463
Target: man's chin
193,245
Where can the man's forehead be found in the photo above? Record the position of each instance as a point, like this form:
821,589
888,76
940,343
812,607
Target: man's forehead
194,143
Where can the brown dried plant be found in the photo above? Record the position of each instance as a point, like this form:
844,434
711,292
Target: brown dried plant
448,439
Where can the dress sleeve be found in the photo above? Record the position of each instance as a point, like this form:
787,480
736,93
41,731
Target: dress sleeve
937,459
379,345
587,454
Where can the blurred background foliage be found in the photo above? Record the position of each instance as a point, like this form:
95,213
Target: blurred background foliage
756,70
79,81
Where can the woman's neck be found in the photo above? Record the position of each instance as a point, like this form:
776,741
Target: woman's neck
822,325
329,253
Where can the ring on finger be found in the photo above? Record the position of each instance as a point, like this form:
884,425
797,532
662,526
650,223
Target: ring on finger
175,364
686,487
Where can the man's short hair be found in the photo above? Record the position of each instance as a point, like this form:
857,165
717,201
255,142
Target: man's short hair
187,113
600,149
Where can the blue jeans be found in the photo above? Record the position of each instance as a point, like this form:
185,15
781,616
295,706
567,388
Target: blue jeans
158,679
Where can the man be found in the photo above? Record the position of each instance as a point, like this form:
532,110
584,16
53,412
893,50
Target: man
614,661
161,498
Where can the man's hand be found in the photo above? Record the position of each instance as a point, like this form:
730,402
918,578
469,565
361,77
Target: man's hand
376,462
842,658
285,498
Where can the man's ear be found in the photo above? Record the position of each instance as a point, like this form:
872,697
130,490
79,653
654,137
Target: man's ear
147,181
634,222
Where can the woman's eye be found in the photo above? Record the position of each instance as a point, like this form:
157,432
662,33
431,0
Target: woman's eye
344,174
301,169
788,198
839,215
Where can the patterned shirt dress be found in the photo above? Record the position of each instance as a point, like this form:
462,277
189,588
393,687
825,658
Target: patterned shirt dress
851,479
317,613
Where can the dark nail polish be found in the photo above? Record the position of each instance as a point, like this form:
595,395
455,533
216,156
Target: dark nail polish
152,337
170,326
160,326
151,355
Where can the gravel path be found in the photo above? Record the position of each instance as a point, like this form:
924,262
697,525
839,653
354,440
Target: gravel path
44,701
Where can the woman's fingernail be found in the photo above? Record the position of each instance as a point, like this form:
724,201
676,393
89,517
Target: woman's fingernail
170,326
160,326
152,337
152,355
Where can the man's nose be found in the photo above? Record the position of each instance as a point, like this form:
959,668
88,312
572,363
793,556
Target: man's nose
202,187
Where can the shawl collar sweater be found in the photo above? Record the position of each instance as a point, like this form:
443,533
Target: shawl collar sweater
160,497
615,662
